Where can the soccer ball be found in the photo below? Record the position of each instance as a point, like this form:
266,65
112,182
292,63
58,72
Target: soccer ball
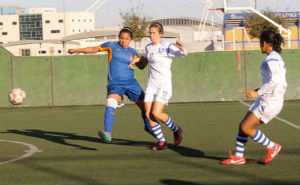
16,96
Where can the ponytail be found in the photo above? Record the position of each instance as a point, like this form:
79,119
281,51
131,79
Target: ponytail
273,38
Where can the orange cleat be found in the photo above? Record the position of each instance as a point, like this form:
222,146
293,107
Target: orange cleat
272,153
234,160
160,145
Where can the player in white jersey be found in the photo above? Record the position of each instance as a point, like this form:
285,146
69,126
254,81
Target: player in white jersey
269,102
159,54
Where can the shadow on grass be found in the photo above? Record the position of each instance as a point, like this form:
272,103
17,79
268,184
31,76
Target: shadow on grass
64,139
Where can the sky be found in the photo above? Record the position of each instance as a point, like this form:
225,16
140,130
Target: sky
109,13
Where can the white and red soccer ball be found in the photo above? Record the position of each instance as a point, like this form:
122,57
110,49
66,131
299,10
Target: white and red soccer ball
16,96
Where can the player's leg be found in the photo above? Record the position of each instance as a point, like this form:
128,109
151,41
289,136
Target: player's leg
157,112
246,127
147,127
161,144
135,93
109,116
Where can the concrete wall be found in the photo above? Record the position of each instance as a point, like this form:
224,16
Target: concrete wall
81,80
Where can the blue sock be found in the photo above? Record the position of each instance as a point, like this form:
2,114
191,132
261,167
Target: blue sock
241,140
260,137
158,133
109,118
171,124
146,122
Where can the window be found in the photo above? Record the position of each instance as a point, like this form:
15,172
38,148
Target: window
55,31
4,33
72,20
47,21
59,51
1,23
42,52
14,23
60,21
78,20
25,52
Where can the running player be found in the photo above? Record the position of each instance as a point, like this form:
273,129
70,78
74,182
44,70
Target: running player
120,79
159,54
269,102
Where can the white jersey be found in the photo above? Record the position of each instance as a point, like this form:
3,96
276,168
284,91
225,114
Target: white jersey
159,86
273,77
160,58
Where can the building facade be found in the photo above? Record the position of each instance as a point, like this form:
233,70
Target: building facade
44,24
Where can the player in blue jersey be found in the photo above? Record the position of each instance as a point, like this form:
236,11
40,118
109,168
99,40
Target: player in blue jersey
120,78
269,102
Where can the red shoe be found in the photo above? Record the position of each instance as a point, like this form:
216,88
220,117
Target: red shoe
177,136
160,145
272,153
234,160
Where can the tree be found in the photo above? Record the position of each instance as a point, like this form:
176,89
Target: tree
255,24
136,22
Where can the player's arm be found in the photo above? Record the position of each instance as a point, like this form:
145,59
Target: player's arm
141,63
85,50
177,50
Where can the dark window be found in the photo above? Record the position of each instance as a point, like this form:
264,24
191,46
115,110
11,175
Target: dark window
55,31
47,21
1,23
59,51
42,52
14,23
4,33
60,21
25,52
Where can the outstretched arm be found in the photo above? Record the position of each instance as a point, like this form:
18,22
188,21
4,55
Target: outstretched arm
84,50
177,50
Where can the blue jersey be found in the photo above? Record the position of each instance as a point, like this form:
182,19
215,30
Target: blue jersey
118,60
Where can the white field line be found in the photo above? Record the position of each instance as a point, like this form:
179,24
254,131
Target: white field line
278,118
32,149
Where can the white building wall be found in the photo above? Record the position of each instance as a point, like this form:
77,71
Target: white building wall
53,25
9,28
44,49
78,22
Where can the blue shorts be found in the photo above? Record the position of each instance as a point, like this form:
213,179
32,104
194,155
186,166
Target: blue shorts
131,88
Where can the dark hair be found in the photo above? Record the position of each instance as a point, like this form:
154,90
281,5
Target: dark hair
157,25
126,30
273,38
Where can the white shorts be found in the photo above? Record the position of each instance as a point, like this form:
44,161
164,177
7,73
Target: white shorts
266,110
158,92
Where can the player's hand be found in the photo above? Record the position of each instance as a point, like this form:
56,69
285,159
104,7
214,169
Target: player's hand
180,44
251,93
71,51
131,65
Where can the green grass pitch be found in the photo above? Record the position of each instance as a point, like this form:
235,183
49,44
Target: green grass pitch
72,153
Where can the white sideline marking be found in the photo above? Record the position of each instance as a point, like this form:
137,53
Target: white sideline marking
32,149
278,118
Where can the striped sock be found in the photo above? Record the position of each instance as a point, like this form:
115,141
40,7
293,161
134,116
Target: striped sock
260,137
158,133
171,124
241,140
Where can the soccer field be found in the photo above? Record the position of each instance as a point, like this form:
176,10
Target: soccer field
59,145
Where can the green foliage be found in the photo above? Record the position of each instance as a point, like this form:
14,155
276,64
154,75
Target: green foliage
255,24
138,23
